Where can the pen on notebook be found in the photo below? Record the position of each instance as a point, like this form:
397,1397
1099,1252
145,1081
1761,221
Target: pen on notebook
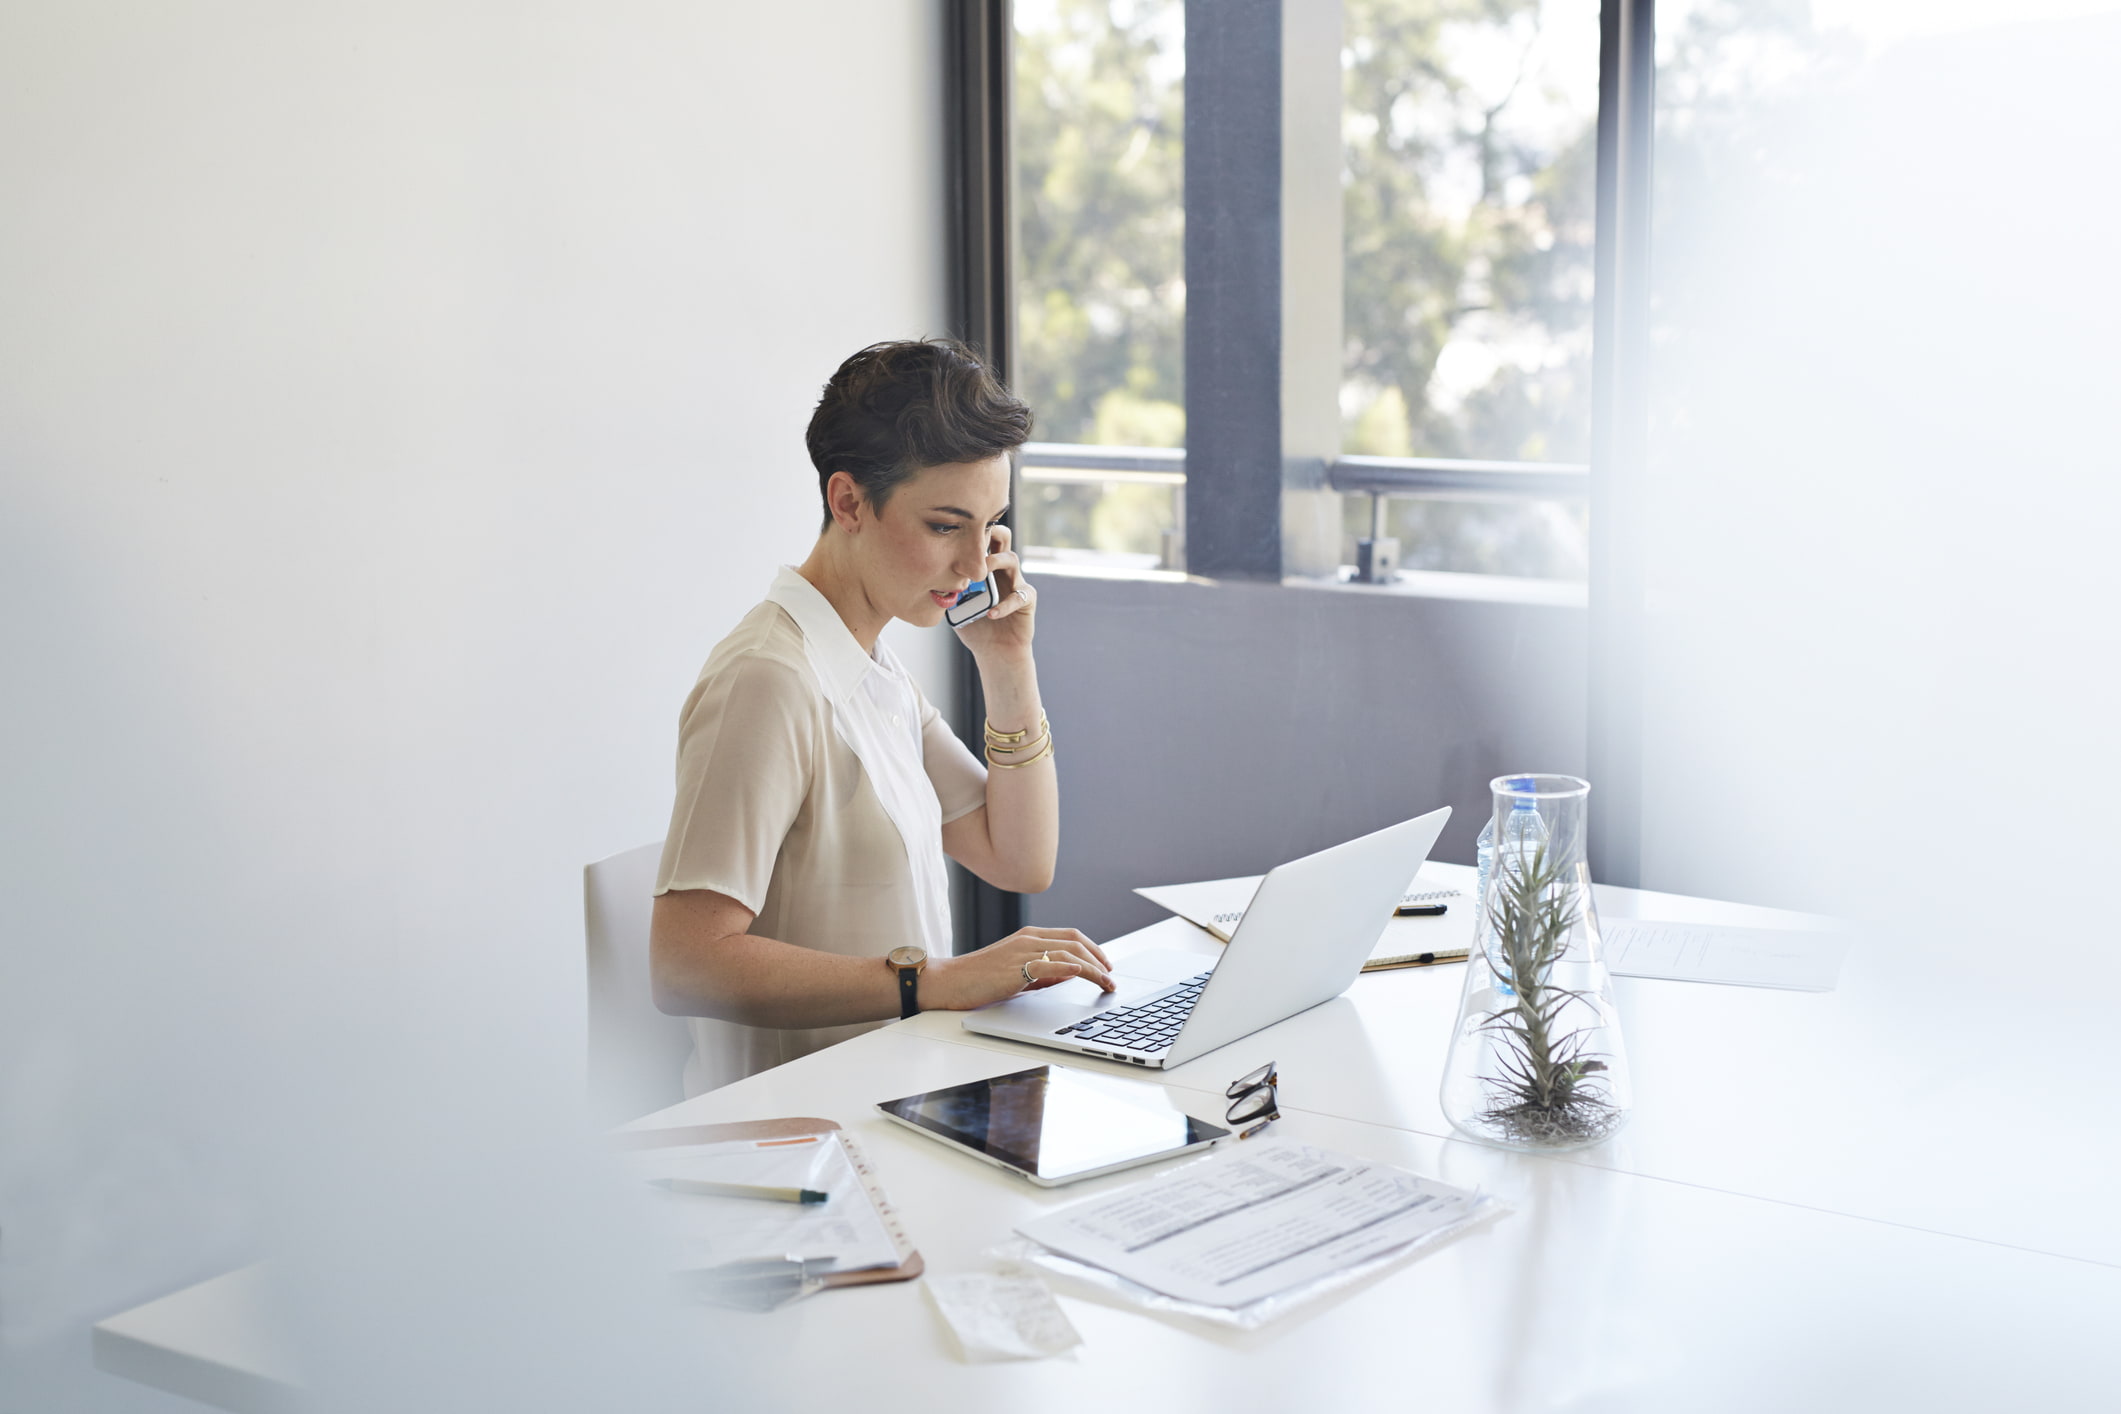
1405,910
740,1190
1427,959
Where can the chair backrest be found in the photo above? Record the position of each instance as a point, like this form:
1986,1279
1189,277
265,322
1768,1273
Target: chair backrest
637,1055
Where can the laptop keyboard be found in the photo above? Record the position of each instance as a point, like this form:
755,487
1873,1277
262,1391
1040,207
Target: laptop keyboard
1150,1026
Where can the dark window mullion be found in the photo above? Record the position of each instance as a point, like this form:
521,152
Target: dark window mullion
1233,249
1627,72
980,72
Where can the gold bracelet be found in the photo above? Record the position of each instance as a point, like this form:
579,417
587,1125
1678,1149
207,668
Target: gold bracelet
995,738
1030,748
999,757
1044,751
1019,755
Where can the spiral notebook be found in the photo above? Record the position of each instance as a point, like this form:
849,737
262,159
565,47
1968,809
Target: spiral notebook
1219,904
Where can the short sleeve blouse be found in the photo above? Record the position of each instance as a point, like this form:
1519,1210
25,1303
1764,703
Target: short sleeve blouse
813,781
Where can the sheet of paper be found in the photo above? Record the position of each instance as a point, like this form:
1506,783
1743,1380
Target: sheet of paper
1002,1316
1252,1221
1800,960
1219,904
704,1231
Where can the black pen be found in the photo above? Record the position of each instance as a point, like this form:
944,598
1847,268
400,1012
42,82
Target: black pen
714,1189
1420,910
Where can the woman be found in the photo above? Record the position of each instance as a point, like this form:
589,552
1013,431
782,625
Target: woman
818,791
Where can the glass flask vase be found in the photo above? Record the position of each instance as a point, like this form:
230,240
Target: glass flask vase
1536,1058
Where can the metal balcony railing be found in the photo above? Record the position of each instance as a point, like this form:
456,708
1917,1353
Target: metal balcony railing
1380,478
1070,461
1417,476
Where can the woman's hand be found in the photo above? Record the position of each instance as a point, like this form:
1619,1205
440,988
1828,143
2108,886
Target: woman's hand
1045,955
1006,628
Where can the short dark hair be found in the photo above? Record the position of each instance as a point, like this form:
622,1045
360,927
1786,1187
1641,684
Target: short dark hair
897,407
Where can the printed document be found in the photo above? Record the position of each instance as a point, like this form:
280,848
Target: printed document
1252,1221
1803,960
699,1230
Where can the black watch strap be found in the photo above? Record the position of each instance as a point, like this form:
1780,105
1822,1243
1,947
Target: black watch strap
909,1001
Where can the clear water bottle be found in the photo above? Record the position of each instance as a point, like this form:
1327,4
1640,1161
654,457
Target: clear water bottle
1522,820
1521,831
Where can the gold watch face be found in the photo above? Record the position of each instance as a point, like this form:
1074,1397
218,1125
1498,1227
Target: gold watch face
907,957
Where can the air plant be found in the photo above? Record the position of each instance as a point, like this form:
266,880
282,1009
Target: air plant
1550,1088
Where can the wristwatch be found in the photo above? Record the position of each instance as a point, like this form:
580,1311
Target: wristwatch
907,963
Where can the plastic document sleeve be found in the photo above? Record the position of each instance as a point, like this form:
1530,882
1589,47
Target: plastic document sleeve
770,1132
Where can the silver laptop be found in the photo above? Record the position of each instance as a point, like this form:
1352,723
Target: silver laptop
1302,940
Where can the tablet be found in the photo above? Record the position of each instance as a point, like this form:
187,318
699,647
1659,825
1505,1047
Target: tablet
1055,1125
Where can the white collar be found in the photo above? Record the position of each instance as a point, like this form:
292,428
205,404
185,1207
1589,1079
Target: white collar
834,653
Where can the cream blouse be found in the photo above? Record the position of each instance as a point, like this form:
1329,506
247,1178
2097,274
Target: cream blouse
813,782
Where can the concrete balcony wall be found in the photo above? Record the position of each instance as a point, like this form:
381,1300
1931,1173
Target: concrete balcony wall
1211,729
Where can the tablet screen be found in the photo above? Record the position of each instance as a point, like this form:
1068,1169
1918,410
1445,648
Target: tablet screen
1054,1123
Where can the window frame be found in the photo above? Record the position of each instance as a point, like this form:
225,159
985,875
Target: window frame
1235,70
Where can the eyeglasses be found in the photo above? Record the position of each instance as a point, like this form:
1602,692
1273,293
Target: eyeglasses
1252,1100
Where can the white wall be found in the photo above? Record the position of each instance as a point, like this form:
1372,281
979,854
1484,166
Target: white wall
397,400
1880,570
1881,582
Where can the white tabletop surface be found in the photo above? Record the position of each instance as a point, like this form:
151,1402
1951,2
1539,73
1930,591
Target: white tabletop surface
1792,1220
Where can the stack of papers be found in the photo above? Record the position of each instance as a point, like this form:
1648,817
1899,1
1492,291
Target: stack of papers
844,1233
1257,1221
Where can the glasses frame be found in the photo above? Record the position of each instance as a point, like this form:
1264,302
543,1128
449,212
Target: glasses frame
1241,1090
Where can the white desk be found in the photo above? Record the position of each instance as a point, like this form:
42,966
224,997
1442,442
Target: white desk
1783,1226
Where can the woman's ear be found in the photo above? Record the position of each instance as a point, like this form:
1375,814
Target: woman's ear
844,498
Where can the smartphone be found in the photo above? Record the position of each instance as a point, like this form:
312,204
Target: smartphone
971,606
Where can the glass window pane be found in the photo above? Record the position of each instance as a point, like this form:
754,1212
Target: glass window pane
1469,208
1100,263
1471,139
1122,520
1527,538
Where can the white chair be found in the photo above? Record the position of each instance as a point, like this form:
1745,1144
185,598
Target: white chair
637,1055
